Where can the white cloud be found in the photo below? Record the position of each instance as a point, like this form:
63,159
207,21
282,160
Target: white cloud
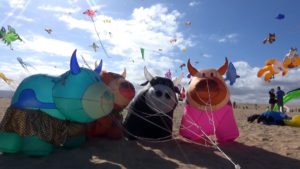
17,3
23,18
229,38
17,73
194,3
45,45
207,55
59,9
149,28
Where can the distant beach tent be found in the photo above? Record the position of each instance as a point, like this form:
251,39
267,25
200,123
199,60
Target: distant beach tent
280,16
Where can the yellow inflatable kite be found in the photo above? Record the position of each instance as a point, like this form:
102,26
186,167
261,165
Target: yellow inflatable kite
295,121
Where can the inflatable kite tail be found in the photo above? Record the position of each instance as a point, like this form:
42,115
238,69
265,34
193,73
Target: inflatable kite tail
268,76
264,70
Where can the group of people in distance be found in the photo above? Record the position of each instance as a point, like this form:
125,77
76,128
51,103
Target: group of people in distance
276,98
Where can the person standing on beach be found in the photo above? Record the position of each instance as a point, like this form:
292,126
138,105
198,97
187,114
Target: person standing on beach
279,95
272,98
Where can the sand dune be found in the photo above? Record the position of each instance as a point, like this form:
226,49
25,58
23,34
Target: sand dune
258,147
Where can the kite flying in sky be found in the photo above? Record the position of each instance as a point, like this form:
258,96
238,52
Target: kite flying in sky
6,80
91,13
94,46
143,53
182,65
25,65
188,23
280,16
270,38
48,30
168,74
9,36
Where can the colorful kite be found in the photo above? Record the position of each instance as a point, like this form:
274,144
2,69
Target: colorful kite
94,46
188,23
48,30
270,38
143,52
280,16
173,41
91,13
106,21
25,65
6,80
168,74
9,36
182,65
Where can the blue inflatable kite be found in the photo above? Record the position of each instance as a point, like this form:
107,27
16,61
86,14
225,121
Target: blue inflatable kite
48,111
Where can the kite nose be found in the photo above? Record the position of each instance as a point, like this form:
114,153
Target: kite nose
127,90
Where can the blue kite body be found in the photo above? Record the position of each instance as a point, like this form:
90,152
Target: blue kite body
231,74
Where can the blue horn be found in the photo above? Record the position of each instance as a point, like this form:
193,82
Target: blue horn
74,66
99,68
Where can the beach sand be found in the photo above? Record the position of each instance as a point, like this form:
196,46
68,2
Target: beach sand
258,147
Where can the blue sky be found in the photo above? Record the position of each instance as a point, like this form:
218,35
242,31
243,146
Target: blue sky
219,29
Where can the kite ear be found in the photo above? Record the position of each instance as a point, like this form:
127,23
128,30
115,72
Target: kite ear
193,71
74,66
124,73
223,68
98,69
148,76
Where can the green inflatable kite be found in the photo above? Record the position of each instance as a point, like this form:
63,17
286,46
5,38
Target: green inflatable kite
289,96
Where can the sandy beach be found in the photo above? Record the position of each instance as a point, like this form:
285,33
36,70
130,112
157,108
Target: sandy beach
258,147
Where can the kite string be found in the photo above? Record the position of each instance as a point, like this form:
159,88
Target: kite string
97,33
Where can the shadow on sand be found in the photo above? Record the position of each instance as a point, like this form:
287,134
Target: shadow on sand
108,154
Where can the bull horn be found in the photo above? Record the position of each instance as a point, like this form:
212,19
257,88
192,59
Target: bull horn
193,71
223,68
148,76
124,73
98,69
74,66
177,80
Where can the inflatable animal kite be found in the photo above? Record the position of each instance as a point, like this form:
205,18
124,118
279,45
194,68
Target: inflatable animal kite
150,114
295,121
208,110
9,36
123,91
294,57
231,74
48,111
273,67
270,38
269,118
